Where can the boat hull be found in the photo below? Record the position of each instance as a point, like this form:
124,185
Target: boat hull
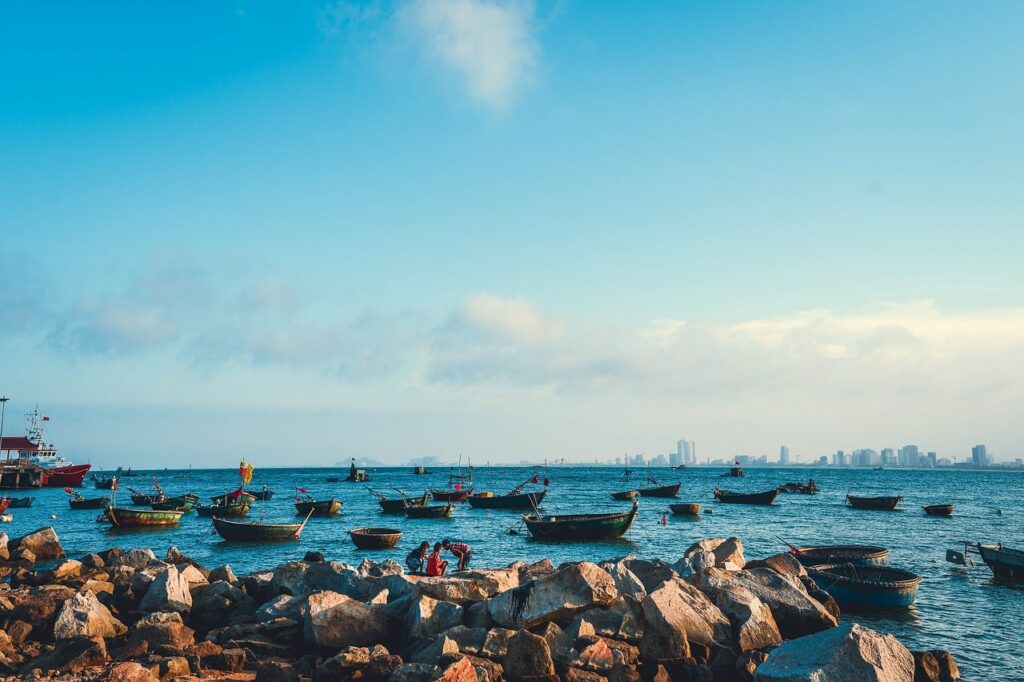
685,508
70,476
319,508
451,495
661,491
625,495
869,588
181,503
873,503
20,502
247,498
938,509
860,555
397,506
260,495
437,511
142,518
90,503
764,498
375,538
1005,564
524,501
235,511
580,526
238,531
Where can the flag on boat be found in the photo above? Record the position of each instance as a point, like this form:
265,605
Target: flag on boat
547,482
46,419
235,495
245,471
535,479
302,490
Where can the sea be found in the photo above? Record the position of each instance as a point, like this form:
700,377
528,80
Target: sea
959,608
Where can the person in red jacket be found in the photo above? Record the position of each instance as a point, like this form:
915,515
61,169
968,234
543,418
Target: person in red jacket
461,550
435,564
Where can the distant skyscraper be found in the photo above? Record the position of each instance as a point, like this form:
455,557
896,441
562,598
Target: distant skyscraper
910,456
685,453
784,455
979,455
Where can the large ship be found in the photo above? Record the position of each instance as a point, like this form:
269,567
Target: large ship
57,472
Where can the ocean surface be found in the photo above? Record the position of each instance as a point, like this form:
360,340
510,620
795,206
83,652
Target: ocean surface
958,608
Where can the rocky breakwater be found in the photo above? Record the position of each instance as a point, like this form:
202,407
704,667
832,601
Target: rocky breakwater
125,615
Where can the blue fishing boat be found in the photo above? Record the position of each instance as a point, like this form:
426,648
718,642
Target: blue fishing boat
860,555
867,588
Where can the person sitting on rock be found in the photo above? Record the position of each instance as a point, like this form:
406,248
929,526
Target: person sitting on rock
417,558
435,564
461,550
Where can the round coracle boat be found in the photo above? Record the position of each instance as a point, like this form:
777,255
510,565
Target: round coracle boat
375,538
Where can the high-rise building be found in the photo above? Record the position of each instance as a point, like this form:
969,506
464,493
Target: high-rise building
686,452
888,457
784,455
909,456
979,455
932,459
839,459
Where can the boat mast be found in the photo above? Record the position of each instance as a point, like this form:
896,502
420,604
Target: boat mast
3,410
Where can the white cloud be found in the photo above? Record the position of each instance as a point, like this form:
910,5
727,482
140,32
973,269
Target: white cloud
514,319
491,46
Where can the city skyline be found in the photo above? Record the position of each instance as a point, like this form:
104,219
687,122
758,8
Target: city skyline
316,230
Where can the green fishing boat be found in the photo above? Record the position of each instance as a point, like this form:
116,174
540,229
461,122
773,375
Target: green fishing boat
142,518
581,526
181,503
257,531
237,510
226,498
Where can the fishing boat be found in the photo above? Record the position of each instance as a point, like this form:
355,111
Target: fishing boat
232,510
860,555
451,495
257,531
260,495
356,475
938,509
33,451
89,502
809,488
736,471
625,495
875,503
146,499
426,511
234,497
329,507
730,497
659,490
333,479
867,587
104,483
1006,563
19,502
181,502
685,508
375,538
460,485
4,503
419,471
581,526
520,501
142,518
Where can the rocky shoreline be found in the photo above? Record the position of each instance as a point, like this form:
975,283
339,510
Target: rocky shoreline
712,616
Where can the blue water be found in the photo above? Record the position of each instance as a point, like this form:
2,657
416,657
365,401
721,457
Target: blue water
960,609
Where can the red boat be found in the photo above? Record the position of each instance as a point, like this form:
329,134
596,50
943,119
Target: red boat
33,451
65,477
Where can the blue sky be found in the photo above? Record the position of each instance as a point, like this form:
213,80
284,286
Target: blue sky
511,229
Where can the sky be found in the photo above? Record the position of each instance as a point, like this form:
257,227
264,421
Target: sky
299,232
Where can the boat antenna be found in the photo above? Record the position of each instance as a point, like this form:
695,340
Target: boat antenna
3,410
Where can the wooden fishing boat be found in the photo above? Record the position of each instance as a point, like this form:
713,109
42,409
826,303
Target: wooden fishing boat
938,509
661,490
451,495
256,531
437,511
227,498
625,495
260,495
1005,563
520,501
142,518
860,555
875,503
333,479
685,508
867,587
398,504
809,488
581,526
730,497
375,538
19,502
89,502
735,472
233,510
182,503
329,507
104,483
147,499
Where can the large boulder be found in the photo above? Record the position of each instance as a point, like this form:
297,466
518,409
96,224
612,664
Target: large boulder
650,573
627,584
43,543
528,656
783,563
622,620
128,671
935,666
429,616
796,613
572,588
334,620
74,655
848,653
38,607
676,615
283,606
161,629
753,625
467,586
84,616
220,603
134,558
169,592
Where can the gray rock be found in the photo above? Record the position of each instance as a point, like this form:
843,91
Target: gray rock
848,653
428,616
135,558
223,573
84,616
753,625
334,620
681,609
43,543
528,656
570,589
169,592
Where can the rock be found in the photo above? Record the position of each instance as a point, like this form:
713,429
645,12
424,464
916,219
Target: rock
169,592
192,575
142,578
935,666
476,615
729,551
572,588
463,589
135,558
128,672
627,584
528,656
496,643
461,670
5,551
679,611
222,573
334,620
67,569
289,578
275,671
43,543
753,625
414,672
162,629
847,653
621,620
783,564
429,616
84,616
98,587
313,557
38,607
577,675
74,655
282,606
228,660
795,612
24,556
220,603
18,631
748,662
173,667
93,561
650,573
469,640
343,665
